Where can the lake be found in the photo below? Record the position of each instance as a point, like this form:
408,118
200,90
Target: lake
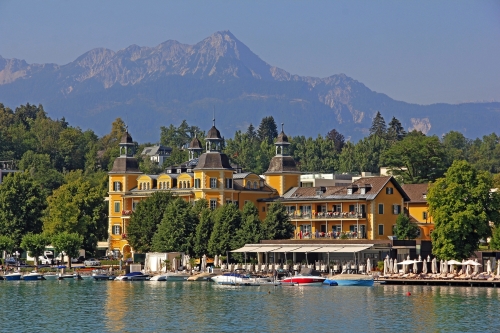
112,306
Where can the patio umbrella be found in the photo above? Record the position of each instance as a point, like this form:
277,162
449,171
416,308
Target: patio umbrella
488,266
424,267
444,269
498,269
408,258
203,262
419,257
464,267
174,264
368,265
468,270
386,266
428,258
391,266
493,265
415,267
434,266
216,261
395,267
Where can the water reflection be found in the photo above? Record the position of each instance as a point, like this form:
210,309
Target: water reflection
112,306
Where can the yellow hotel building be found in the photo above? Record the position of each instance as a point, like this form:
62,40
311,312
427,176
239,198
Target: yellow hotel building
365,209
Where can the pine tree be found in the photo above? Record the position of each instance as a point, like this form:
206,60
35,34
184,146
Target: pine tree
203,233
337,138
277,223
404,228
267,130
378,127
227,220
395,132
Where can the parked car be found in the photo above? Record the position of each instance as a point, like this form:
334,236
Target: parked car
11,261
92,262
78,260
44,260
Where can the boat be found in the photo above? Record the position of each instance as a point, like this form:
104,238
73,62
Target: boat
68,276
134,276
159,277
176,276
350,280
303,280
33,276
15,276
51,276
239,277
102,275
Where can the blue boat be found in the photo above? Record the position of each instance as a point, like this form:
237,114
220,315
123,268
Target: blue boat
349,280
12,276
33,276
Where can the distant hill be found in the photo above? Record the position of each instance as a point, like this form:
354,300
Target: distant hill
150,87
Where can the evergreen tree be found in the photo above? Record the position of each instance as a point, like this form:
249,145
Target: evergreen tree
378,127
267,130
227,220
145,220
176,231
250,231
277,224
404,228
251,133
395,132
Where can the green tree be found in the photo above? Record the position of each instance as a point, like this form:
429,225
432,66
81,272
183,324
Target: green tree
34,244
462,207
227,219
404,228
177,228
267,130
277,224
78,207
203,232
416,159
495,239
22,202
378,128
68,243
250,231
40,168
145,220
337,138
6,244
395,131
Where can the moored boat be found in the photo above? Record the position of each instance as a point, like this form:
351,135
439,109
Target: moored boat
15,276
134,276
51,276
239,278
176,276
351,280
303,280
33,276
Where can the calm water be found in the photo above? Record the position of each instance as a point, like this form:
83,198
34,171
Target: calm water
102,306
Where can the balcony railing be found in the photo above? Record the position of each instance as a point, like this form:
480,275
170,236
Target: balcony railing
330,235
327,215
127,212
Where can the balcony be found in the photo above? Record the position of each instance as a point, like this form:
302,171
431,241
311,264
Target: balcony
127,212
330,235
327,215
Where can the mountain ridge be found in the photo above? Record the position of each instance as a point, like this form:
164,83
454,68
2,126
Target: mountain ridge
155,86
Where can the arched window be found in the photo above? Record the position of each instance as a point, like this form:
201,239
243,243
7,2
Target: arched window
147,185
254,185
168,184
189,184
249,184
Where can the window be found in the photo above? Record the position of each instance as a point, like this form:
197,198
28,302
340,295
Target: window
249,185
147,184
228,202
337,208
389,190
237,203
396,209
134,205
197,183
424,215
117,186
229,183
213,204
189,184
380,229
255,185
117,230
349,191
381,208
351,208
213,182
263,208
168,184
117,206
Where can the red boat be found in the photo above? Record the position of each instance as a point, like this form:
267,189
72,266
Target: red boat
304,280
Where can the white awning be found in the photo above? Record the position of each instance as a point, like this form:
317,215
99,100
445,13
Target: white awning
286,249
306,249
351,249
246,248
327,249
268,249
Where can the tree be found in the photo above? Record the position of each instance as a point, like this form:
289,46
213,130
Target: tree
35,244
405,229
395,131
21,206
203,233
68,243
250,231
337,138
6,244
177,228
145,220
416,159
251,133
40,168
462,207
277,224
495,239
78,207
267,130
378,127
227,219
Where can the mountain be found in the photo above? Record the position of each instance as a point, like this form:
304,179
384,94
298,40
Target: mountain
150,87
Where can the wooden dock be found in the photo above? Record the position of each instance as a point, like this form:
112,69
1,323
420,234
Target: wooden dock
441,282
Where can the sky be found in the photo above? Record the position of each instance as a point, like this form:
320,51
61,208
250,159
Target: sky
415,51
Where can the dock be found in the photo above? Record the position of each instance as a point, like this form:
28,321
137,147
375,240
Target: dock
442,282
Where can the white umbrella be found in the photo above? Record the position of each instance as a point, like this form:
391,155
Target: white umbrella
428,258
498,269
424,267
445,267
216,261
434,267
415,267
488,266
419,257
174,264
203,262
408,258
368,266
386,266
391,266
464,267
468,270
395,267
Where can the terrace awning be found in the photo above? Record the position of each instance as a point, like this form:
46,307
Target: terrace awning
247,248
302,248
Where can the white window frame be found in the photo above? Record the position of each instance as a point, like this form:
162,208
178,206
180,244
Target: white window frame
117,229
117,204
381,206
213,204
213,182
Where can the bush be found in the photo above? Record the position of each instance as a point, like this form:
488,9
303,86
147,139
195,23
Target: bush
380,265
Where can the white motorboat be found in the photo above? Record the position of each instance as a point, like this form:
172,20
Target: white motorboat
239,278
176,276
350,280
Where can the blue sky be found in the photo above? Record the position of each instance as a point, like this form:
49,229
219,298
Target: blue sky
415,51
